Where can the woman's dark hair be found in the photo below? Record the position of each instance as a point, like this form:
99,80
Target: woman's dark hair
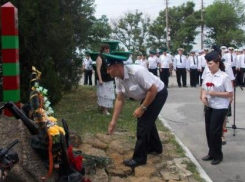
221,63
103,47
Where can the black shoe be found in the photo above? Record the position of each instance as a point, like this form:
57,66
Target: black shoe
216,161
132,163
207,158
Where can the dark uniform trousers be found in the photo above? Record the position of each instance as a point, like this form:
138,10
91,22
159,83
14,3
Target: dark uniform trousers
201,75
181,73
193,77
164,76
88,76
147,136
242,79
214,119
153,71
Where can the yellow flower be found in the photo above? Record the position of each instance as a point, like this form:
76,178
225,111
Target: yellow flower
55,130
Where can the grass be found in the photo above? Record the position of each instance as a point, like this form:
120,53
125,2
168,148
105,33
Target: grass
79,108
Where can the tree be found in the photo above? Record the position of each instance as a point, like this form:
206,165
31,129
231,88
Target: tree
183,23
226,27
100,30
132,31
50,33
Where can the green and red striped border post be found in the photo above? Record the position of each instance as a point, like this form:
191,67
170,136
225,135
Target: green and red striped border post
10,55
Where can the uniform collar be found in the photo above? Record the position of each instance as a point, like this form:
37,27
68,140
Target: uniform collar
218,73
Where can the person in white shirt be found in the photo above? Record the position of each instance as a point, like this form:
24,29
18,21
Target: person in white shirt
199,67
88,70
180,64
144,62
165,66
152,63
136,82
192,67
215,95
230,58
129,60
138,60
241,68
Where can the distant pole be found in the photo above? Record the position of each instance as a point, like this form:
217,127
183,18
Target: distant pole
10,55
167,27
202,26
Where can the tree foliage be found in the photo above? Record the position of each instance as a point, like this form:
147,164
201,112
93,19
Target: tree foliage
132,31
224,20
50,33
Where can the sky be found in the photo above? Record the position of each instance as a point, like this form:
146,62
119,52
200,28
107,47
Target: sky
115,9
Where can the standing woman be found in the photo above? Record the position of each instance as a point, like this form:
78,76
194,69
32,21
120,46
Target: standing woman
105,86
215,95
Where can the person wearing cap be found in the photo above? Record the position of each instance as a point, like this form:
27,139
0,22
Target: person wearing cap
241,68
165,65
223,48
134,81
153,62
215,94
180,65
203,62
88,69
105,86
229,72
230,58
192,67
199,67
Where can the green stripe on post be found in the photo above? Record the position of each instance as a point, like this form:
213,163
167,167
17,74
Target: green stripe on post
11,95
10,42
11,69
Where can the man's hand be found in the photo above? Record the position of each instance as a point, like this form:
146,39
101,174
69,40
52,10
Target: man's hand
111,127
138,112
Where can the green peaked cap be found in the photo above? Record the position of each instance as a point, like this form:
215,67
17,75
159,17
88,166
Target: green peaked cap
113,59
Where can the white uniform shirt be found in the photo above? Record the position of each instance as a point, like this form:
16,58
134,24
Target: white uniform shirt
221,83
137,61
144,63
228,71
241,61
137,81
192,62
152,62
87,63
230,58
165,61
203,61
129,60
180,63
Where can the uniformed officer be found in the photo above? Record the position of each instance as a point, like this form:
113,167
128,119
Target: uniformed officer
136,82
192,67
230,58
153,62
180,64
241,68
215,95
164,66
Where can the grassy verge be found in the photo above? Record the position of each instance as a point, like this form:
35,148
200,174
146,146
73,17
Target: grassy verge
79,108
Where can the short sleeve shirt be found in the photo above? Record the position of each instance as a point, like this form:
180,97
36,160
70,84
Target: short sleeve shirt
137,81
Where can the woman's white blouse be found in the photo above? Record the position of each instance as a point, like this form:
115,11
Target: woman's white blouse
222,83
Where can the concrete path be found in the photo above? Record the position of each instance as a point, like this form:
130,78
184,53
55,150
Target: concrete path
183,112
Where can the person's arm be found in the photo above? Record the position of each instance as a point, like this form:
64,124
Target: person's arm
203,97
98,67
220,94
150,96
117,110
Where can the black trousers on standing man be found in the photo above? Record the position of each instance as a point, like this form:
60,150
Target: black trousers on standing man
164,76
181,73
147,136
193,77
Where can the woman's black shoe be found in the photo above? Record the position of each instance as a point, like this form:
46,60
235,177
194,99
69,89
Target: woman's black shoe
216,161
207,158
132,163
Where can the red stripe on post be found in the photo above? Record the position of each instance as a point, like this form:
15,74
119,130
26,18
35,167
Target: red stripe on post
10,55
6,112
9,19
11,82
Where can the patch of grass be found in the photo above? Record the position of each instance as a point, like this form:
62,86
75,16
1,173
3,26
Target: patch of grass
191,167
79,108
